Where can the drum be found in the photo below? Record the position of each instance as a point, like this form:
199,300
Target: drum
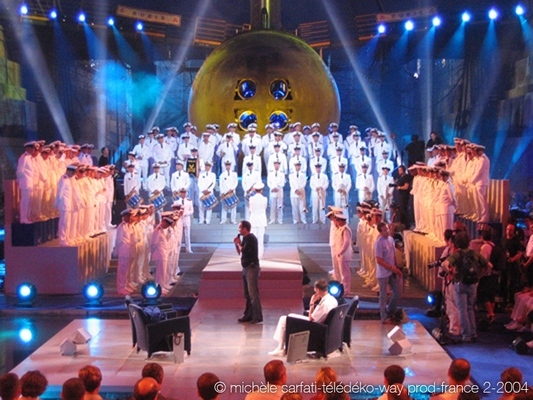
250,194
133,200
158,200
209,201
230,199
175,195
164,164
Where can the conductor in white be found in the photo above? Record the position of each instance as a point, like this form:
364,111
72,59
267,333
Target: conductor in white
258,218
320,305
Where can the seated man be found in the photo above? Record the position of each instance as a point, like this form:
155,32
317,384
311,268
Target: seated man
275,375
321,304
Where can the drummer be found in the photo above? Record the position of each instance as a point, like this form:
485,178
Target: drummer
180,179
132,180
156,184
206,189
228,181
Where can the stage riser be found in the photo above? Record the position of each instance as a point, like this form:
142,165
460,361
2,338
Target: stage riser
419,252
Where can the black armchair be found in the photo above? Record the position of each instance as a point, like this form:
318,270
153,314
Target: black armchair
350,315
165,308
157,336
324,338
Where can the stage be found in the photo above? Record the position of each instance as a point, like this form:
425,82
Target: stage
236,353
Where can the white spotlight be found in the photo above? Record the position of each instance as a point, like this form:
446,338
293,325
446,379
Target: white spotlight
382,28
493,14
436,21
409,25
466,17
519,10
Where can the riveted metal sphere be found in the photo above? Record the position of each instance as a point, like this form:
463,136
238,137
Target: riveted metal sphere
264,77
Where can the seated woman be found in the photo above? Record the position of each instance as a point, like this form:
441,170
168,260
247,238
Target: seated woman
321,304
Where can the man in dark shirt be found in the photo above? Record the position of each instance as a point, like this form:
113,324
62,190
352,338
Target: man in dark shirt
433,140
415,151
248,250
403,185
510,277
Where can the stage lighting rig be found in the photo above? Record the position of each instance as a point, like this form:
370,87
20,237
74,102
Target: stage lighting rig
151,293
52,14
520,10
139,26
110,21
26,294
466,17
409,25
82,17
493,14
382,28
23,9
93,293
336,289
436,21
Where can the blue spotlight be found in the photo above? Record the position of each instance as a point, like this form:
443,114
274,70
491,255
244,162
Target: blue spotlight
435,300
81,17
23,10
139,26
493,14
436,21
336,289
26,293
151,292
466,17
111,21
93,293
25,335
382,28
430,299
52,14
519,10
409,25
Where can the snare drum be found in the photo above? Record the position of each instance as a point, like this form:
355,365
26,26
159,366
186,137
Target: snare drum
209,201
230,199
251,194
133,200
158,200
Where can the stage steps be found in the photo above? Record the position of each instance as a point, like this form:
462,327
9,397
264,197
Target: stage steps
281,275
286,233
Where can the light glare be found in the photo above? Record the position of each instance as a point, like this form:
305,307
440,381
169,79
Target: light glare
493,14
25,335
466,17
81,17
382,28
139,26
53,14
436,21
519,10
409,25
23,9
110,21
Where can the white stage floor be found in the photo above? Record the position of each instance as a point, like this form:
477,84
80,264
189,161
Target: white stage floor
235,352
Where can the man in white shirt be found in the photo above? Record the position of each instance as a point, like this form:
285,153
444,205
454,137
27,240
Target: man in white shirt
320,305
298,158
254,159
156,181
342,183
319,183
193,139
132,181
142,155
249,178
277,156
228,182
297,143
268,138
335,161
185,148
317,159
384,162
315,144
188,210
206,149
227,150
298,183
163,154
385,192
364,184
480,181
258,219
343,252
335,145
251,139
276,182
381,145
180,179
206,187
26,175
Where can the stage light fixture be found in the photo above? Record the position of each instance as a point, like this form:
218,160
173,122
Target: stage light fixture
52,14
23,10
26,294
382,28
139,26
93,293
519,10
435,300
409,25
493,13
436,21
25,335
151,292
336,289
82,17
466,17
111,21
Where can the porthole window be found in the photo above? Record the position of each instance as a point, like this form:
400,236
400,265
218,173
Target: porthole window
246,89
279,89
279,119
246,118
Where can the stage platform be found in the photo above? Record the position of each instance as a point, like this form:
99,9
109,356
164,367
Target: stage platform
281,274
236,353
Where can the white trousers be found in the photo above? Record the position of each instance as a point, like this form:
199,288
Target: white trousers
25,206
298,207
65,219
276,207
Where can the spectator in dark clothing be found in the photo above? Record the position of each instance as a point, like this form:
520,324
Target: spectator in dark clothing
403,187
510,276
433,140
399,219
415,151
104,158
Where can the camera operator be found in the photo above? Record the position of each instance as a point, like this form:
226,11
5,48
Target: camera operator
403,187
454,325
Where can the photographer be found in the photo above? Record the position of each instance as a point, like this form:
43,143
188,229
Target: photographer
403,187
454,326
467,267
